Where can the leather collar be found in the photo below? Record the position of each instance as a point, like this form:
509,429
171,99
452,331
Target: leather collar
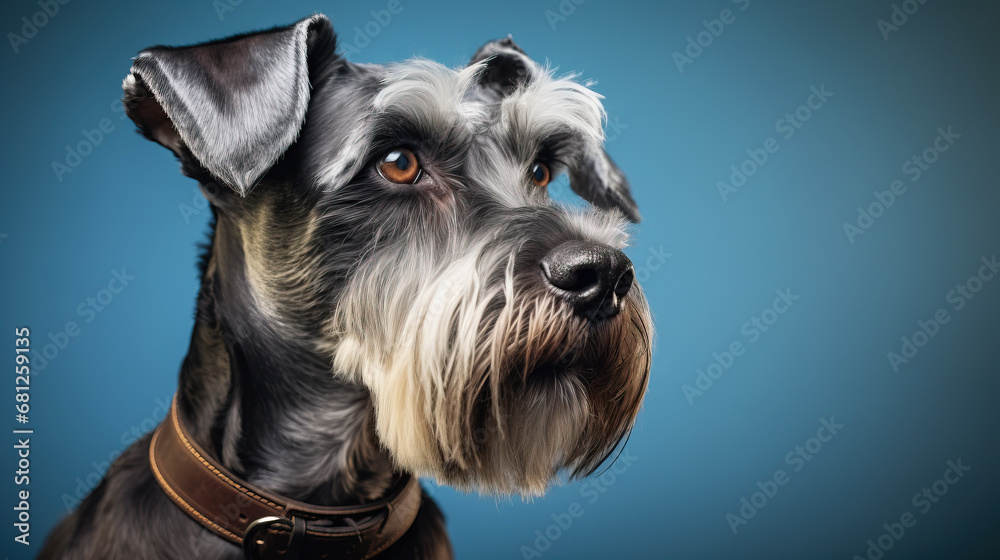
269,526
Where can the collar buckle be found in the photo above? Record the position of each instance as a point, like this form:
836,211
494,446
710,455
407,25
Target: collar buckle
256,540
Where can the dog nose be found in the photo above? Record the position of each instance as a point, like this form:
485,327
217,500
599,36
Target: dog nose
592,277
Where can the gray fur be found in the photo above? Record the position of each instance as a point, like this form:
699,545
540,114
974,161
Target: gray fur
350,329
236,105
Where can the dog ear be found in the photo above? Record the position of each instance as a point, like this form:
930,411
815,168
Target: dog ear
593,175
600,182
506,66
234,105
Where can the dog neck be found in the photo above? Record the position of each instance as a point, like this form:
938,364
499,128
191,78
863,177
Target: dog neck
254,394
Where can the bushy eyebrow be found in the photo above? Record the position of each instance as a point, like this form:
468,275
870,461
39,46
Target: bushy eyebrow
433,95
551,113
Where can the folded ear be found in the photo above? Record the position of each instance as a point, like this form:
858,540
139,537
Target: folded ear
592,174
234,105
506,66
599,181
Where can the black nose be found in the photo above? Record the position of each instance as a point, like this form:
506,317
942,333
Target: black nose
592,277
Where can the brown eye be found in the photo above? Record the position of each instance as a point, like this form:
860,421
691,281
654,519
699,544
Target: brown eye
400,166
540,174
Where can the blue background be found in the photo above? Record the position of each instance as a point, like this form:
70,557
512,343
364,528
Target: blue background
709,265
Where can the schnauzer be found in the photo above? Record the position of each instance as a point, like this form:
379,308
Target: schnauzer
389,293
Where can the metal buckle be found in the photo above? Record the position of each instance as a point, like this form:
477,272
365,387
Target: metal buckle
296,529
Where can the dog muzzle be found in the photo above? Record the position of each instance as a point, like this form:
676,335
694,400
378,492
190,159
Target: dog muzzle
270,526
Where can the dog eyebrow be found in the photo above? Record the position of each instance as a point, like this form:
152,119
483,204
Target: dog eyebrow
548,107
432,94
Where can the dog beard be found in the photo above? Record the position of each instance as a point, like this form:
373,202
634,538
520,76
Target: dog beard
484,380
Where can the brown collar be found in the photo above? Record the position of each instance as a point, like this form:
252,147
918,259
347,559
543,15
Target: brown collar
269,526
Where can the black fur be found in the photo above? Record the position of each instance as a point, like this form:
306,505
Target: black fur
258,388
234,360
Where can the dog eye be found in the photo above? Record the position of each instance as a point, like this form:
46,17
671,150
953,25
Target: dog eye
540,174
400,166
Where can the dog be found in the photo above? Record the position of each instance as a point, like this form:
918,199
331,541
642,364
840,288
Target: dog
389,293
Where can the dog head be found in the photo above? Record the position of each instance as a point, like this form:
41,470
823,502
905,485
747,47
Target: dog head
394,220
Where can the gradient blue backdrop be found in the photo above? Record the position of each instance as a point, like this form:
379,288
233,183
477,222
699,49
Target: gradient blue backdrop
708,264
